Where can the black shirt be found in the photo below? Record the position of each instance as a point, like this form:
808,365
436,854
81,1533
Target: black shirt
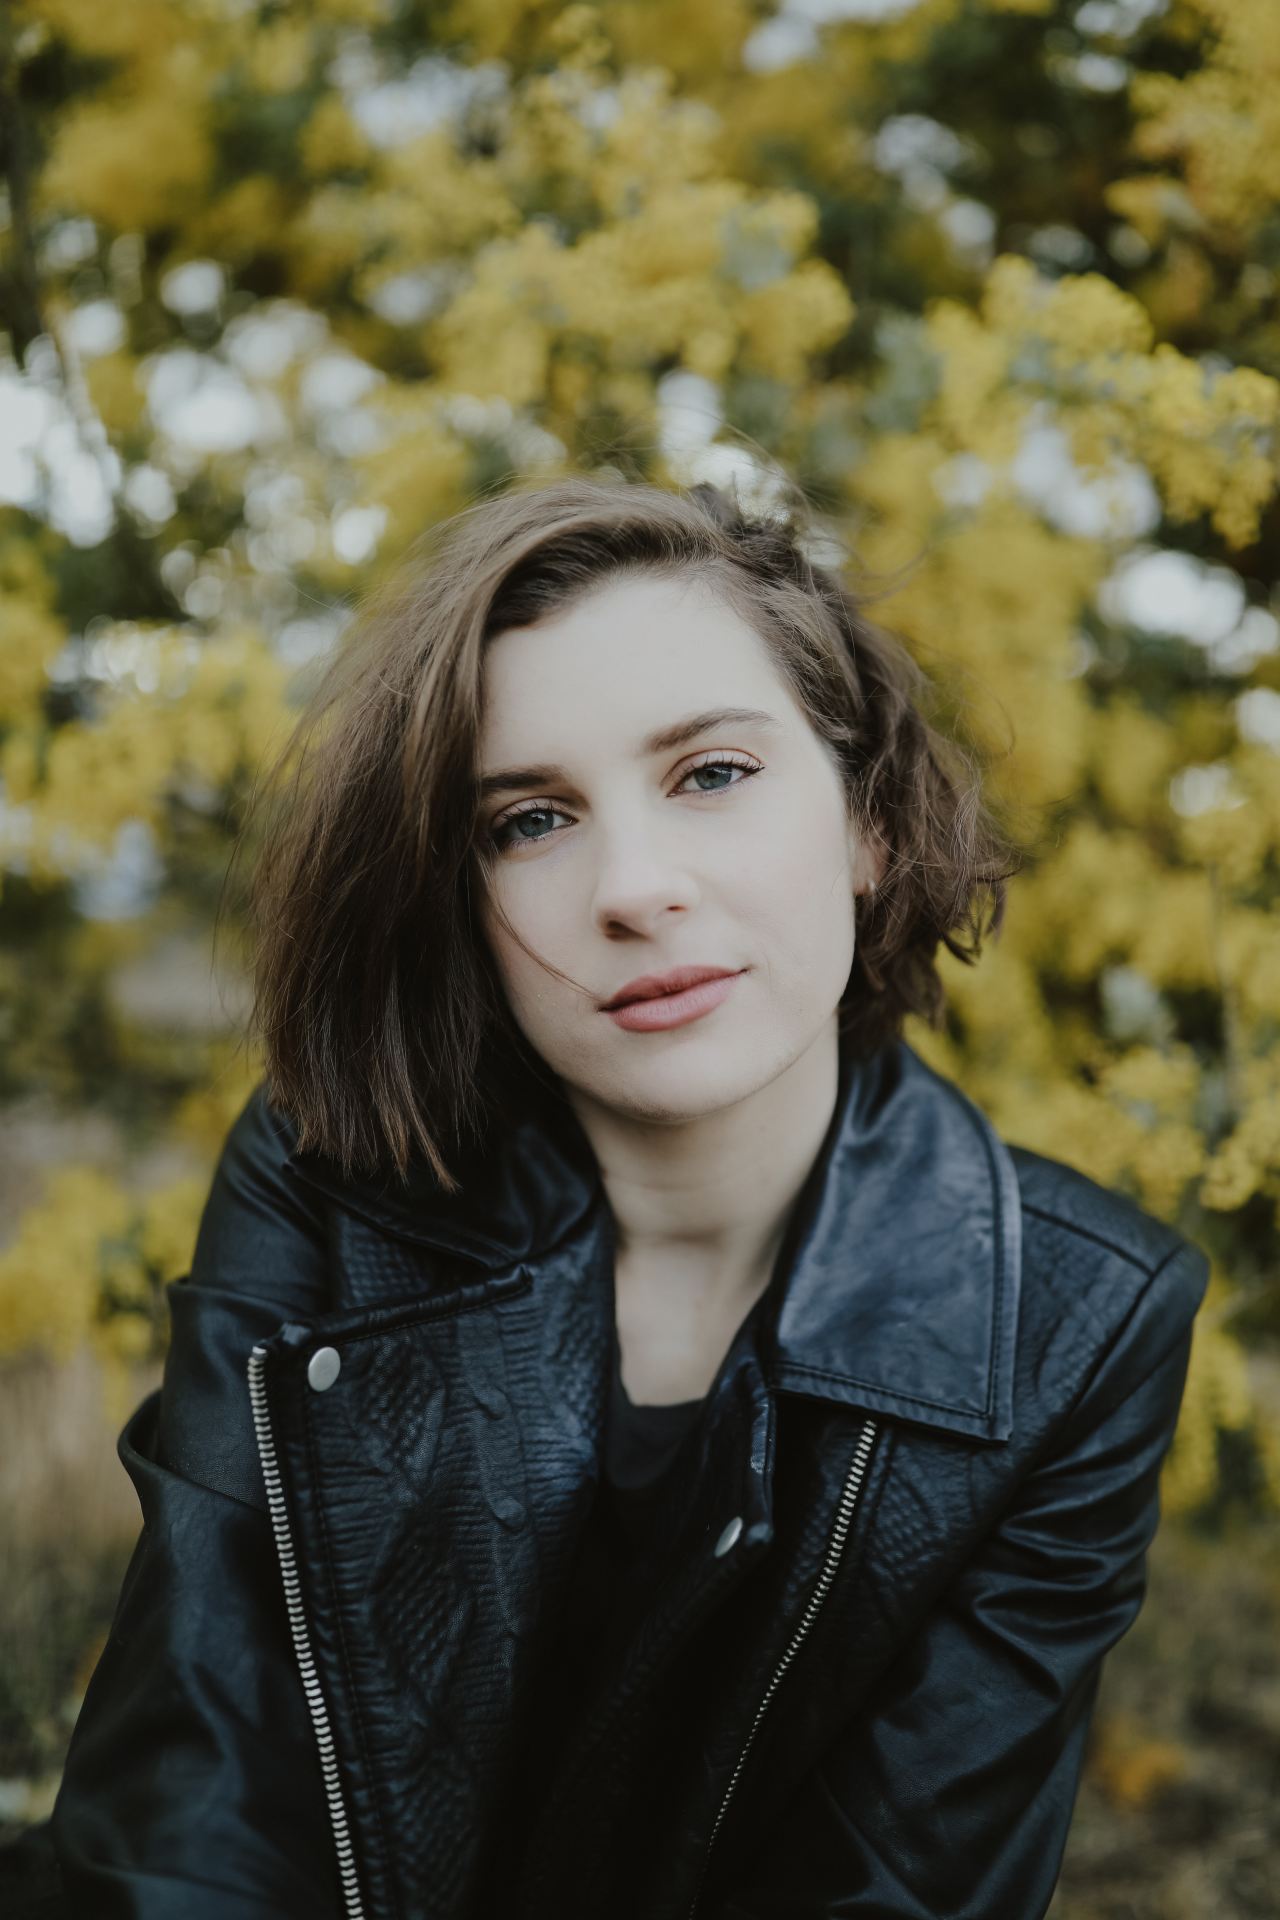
615,1567
613,1579
640,1438
640,1446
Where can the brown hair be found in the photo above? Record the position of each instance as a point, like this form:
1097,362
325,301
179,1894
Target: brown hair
385,1029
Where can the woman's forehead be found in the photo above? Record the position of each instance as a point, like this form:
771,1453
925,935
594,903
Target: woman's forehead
640,654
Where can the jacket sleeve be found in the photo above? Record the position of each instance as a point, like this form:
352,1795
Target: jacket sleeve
951,1796
192,1786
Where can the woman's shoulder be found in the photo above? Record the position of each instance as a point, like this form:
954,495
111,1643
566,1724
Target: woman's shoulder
1058,1198
262,1230
1080,1245
1092,1256
261,1257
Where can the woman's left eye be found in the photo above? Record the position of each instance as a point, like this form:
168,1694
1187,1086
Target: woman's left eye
746,767
538,810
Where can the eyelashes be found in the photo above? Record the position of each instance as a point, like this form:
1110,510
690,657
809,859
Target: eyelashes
498,833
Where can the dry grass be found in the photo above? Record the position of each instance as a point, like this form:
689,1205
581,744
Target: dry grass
1179,1810
71,1518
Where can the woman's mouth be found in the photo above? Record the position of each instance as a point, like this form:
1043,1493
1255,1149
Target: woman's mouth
674,1009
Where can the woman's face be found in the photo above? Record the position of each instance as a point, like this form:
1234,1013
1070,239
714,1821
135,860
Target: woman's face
614,856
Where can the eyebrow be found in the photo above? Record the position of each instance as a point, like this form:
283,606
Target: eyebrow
664,740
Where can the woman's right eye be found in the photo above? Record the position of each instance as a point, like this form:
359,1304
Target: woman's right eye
498,833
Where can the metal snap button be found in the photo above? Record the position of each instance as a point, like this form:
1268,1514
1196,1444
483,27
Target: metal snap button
323,1367
729,1536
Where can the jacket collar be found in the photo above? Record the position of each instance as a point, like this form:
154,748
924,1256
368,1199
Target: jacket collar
898,1288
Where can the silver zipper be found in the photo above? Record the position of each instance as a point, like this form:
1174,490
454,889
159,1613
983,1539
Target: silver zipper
301,1640
835,1547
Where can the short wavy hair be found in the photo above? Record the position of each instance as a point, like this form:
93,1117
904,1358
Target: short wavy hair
385,1030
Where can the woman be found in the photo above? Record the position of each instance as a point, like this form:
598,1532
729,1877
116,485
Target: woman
634,1440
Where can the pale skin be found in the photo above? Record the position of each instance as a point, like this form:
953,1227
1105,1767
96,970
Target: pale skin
631,863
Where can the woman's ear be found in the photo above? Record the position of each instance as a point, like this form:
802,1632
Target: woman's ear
866,860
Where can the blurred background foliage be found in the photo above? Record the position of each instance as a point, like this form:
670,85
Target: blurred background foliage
995,280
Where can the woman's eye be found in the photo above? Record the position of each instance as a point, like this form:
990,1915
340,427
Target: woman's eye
508,831
515,821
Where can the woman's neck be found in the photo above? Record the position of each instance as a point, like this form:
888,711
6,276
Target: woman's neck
700,1209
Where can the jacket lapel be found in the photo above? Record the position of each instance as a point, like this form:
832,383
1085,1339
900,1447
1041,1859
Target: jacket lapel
906,1281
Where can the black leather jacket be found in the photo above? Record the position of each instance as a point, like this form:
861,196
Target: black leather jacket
914,1520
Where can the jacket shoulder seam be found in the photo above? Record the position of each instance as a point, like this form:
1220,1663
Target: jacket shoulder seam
1099,1239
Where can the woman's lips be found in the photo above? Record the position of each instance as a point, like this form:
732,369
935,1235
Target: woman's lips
674,1009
